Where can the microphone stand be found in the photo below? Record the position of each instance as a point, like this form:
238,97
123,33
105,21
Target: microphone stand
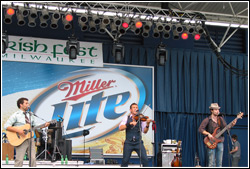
228,147
30,140
31,130
140,139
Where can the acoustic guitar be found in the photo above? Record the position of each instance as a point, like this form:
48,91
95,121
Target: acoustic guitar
15,139
212,144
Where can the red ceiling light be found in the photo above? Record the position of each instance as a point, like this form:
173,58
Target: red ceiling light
10,11
197,37
184,35
125,25
138,24
69,17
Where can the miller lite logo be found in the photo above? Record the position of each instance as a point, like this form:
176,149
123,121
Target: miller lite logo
90,99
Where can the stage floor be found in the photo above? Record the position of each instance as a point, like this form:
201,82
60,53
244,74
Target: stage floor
49,164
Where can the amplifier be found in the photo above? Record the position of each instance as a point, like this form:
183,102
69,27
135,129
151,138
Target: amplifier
168,147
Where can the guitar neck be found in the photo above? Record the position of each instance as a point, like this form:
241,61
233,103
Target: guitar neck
224,129
40,126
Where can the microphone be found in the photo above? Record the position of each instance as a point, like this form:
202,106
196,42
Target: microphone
137,110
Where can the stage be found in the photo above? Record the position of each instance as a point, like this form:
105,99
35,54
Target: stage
49,164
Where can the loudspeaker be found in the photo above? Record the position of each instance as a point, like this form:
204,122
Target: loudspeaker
69,149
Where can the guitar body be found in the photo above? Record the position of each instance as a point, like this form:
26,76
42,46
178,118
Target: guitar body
212,144
176,162
15,139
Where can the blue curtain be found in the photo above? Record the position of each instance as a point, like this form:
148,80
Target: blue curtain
184,88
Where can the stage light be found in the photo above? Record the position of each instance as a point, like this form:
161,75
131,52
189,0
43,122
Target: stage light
10,11
33,13
159,26
156,33
199,29
178,28
54,19
117,21
136,31
96,19
68,17
72,46
147,25
125,23
45,14
122,30
32,21
138,24
190,29
113,28
118,52
105,20
92,26
24,12
167,27
5,42
102,28
124,26
83,18
66,23
20,19
176,35
161,54
82,23
43,22
145,33
56,15
8,15
166,34
184,35
197,36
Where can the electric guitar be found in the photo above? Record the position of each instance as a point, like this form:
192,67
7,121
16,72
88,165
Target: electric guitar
15,139
212,144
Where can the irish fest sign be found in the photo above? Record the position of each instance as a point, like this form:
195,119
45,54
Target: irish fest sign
51,51
94,99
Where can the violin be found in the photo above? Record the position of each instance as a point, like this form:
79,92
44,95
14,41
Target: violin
142,118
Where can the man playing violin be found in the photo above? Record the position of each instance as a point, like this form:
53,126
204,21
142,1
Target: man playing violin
133,136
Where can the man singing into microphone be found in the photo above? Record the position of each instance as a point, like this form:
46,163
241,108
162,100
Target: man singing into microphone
20,118
133,137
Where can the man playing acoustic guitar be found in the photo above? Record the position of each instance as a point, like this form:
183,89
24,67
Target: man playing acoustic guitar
14,125
209,127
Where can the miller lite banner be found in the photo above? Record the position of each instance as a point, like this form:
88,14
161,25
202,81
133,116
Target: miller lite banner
86,98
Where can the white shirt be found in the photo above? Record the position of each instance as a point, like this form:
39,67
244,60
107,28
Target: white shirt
125,119
18,119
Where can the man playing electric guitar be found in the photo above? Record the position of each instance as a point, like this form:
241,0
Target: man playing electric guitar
207,128
14,125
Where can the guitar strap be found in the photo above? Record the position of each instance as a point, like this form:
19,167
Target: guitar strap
219,122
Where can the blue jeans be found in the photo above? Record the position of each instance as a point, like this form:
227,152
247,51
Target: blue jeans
215,156
127,151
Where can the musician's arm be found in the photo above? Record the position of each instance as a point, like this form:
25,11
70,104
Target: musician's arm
146,127
123,124
202,127
234,150
15,129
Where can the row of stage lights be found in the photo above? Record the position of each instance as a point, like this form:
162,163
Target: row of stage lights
115,25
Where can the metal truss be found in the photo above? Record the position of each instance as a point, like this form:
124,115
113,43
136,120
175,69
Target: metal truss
129,9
